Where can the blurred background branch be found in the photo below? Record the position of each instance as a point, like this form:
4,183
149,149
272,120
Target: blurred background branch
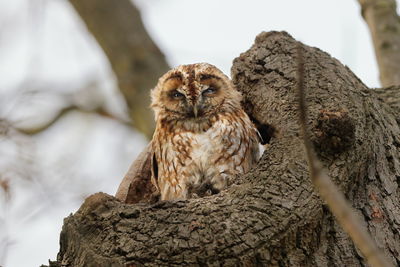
384,25
64,111
136,60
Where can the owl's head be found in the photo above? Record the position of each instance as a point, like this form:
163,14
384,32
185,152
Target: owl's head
194,92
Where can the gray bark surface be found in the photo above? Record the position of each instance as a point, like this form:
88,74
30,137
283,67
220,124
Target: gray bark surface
272,215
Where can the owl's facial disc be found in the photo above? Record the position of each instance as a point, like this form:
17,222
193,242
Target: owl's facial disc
194,93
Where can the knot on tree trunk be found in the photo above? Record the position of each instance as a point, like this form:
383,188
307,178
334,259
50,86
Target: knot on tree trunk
271,216
334,132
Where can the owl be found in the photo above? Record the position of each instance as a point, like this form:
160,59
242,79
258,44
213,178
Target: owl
203,137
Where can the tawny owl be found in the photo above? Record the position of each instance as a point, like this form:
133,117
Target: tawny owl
203,138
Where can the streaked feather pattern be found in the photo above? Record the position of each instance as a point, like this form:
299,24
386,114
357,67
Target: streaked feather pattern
203,138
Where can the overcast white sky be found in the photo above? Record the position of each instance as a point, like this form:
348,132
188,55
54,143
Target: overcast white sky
218,31
44,41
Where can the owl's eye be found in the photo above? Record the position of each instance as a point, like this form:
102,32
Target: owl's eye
177,95
210,90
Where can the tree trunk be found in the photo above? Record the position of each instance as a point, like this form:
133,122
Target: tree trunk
136,60
384,25
272,215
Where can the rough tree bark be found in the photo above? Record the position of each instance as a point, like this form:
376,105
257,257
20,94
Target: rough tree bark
135,59
384,25
272,215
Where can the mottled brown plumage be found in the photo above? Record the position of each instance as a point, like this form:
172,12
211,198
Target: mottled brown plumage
203,138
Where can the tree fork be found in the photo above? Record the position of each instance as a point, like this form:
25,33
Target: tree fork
272,216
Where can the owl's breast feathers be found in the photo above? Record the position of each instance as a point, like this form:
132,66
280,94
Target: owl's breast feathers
194,157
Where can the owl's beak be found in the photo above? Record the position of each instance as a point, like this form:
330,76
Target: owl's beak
195,111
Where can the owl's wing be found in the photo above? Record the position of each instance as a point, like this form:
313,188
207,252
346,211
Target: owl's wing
154,170
136,185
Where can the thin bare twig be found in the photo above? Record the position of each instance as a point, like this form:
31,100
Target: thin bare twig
100,111
328,191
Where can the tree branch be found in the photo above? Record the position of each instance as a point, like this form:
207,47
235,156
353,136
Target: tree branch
384,25
135,59
61,113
